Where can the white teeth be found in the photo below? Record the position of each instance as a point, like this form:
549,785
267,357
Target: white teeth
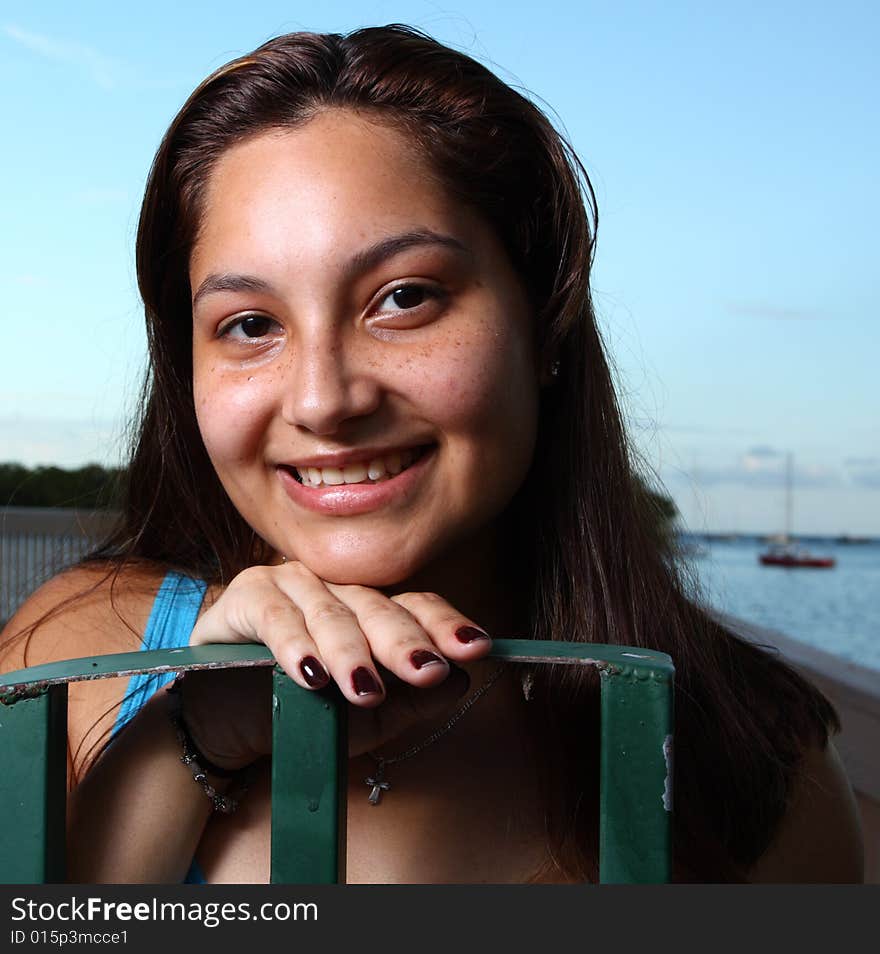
354,473
332,476
378,469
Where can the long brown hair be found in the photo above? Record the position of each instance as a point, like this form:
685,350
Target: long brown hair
600,571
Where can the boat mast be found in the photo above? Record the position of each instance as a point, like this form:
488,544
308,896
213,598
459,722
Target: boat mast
788,479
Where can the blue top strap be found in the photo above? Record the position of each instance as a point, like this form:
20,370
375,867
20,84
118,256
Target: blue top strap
174,614
172,618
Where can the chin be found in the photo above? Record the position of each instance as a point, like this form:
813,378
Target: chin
353,569
376,576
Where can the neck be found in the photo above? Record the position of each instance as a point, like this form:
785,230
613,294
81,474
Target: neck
479,578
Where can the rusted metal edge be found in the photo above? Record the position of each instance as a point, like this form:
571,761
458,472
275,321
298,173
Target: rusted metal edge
608,659
555,660
28,690
27,683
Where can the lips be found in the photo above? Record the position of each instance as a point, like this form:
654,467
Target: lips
372,469
356,497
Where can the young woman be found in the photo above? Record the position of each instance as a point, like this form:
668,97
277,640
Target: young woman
380,428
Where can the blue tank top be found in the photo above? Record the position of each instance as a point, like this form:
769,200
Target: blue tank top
172,618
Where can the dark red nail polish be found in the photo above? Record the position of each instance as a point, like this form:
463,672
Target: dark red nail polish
423,657
364,682
469,634
313,672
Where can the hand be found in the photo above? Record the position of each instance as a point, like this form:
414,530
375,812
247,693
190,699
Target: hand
320,631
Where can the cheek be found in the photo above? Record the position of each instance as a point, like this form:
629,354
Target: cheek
481,385
230,412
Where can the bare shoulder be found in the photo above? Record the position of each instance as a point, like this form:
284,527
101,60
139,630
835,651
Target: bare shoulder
86,611
819,840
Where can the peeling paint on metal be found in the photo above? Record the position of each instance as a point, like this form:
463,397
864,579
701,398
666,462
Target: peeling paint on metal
667,784
28,690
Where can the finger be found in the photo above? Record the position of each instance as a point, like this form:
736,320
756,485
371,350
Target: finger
254,609
336,633
397,640
454,634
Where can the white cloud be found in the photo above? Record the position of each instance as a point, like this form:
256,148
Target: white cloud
103,70
759,309
764,451
763,467
864,472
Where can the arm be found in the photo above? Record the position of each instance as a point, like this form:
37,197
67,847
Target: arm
136,815
819,840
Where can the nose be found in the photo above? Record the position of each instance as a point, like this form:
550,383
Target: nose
327,385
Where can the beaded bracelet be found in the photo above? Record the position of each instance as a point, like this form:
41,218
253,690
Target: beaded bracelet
198,764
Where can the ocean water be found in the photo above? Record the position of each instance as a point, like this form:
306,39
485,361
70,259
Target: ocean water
836,610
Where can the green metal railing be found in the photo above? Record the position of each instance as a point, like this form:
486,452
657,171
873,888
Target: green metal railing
309,760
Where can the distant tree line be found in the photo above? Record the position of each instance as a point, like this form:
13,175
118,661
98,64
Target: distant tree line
661,511
91,487
662,505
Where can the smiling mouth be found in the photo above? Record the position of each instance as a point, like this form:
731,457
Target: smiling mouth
375,471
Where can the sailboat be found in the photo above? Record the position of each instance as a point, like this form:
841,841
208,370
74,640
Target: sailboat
783,552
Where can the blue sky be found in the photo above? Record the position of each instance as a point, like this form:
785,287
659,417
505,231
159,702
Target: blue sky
733,148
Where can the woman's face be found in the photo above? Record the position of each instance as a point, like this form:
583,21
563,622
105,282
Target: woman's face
364,373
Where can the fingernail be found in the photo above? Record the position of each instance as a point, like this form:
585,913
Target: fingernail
313,672
364,682
469,634
423,657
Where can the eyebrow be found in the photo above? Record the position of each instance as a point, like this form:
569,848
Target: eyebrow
361,261
369,258
230,282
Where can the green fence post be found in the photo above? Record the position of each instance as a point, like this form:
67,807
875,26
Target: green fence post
33,785
635,788
309,780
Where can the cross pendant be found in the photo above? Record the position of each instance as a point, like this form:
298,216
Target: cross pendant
378,785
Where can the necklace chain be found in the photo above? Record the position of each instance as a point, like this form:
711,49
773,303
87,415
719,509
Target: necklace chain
377,782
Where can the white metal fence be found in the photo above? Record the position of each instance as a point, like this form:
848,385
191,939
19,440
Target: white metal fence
37,542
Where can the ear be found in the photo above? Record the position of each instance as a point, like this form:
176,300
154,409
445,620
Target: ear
550,372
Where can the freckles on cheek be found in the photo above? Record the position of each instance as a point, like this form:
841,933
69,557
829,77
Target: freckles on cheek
446,390
469,379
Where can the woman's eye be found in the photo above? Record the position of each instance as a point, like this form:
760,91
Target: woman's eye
250,326
405,297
